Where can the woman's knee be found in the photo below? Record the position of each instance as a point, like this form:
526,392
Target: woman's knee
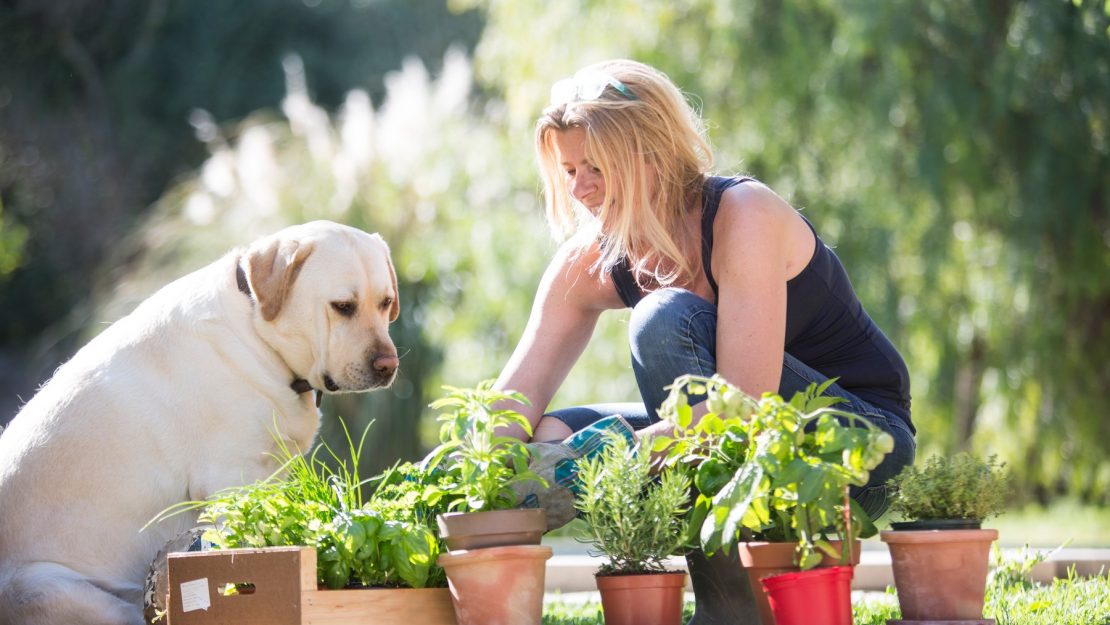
874,497
551,429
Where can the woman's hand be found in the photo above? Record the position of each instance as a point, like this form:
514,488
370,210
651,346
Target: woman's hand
557,464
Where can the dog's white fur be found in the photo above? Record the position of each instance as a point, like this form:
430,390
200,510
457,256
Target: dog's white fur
175,402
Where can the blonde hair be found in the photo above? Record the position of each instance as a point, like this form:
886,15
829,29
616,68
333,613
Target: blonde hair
652,153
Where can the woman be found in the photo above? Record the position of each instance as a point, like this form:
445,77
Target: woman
722,274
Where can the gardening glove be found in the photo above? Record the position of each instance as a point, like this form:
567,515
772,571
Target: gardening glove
556,463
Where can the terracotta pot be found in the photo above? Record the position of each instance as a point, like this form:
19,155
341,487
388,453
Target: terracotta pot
818,596
648,599
495,528
497,585
763,559
941,575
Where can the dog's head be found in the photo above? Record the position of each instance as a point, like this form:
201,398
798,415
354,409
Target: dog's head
326,294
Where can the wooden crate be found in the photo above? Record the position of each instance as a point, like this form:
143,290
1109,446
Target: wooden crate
285,593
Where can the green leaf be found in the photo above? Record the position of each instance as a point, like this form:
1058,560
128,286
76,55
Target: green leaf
866,528
811,486
793,472
337,575
730,505
711,476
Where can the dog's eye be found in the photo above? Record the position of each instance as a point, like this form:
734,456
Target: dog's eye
344,308
386,303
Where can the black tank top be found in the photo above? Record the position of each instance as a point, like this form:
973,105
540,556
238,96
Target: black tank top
826,325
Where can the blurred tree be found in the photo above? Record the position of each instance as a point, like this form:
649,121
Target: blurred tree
96,102
955,152
429,170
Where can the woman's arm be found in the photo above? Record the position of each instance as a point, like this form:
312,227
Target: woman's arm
760,242
568,302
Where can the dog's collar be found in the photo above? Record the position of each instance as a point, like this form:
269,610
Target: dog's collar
241,281
299,385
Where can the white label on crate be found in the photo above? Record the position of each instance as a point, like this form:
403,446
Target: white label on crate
194,595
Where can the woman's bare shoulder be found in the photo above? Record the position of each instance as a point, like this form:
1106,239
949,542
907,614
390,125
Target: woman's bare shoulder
751,209
753,217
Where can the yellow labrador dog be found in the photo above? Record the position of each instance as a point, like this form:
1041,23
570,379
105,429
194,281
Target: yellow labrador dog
177,401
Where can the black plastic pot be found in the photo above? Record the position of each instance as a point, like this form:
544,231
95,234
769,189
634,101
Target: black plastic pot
937,524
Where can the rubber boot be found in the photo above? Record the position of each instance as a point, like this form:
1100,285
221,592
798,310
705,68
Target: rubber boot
722,595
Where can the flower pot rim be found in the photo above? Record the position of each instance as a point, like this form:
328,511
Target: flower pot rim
469,556
523,512
938,536
754,553
641,573
642,581
492,528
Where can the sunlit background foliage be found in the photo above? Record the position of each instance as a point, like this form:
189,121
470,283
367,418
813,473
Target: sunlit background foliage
954,152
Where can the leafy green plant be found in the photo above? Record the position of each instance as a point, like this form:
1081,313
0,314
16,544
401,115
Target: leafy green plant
776,469
962,486
481,464
388,540
362,545
633,519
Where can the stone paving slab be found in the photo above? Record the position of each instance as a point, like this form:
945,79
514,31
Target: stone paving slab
573,572
581,598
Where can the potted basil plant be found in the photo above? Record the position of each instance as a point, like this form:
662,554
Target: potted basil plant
636,520
772,476
939,552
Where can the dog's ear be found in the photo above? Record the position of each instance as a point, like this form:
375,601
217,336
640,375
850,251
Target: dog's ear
395,309
271,269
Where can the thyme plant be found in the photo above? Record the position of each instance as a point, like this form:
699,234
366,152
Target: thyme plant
962,486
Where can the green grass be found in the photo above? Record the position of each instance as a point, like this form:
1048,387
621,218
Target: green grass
874,610
589,613
1079,525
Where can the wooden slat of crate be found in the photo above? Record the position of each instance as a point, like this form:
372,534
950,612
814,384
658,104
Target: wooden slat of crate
400,606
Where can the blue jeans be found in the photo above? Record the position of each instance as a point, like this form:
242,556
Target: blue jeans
674,332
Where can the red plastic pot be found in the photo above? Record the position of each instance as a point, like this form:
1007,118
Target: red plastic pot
815,597
763,559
